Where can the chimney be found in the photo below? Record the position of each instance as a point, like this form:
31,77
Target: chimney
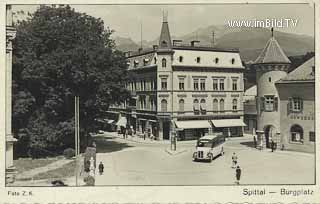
176,42
155,47
193,42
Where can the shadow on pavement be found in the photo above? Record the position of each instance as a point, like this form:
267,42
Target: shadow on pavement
106,145
248,144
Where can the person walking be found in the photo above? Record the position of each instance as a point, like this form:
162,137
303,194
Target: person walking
234,160
101,168
238,175
272,145
255,142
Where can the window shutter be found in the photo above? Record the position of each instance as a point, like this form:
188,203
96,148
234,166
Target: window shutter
290,101
275,103
262,104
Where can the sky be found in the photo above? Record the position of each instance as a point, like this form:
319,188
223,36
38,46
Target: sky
126,20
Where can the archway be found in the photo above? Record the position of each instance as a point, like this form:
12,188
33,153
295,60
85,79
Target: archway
269,133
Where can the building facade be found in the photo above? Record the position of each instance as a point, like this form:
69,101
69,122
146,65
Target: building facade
187,89
271,65
10,35
297,108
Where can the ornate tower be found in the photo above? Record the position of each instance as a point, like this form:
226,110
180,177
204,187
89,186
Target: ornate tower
165,80
10,35
271,65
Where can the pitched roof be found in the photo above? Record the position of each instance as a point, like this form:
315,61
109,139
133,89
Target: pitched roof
165,38
304,72
272,53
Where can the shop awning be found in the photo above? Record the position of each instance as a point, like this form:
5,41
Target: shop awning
228,123
193,124
122,122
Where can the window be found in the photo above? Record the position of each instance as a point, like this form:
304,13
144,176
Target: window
181,83
232,61
215,104
196,84
145,86
196,106
234,104
164,63
217,60
145,62
269,103
269,79
181,105
141,86
152,85
180,59
312,136
163,83
221,105
163,105
203,106
296,133
221,85
215,84
151,104
234,84
203,84
164,43
198,59
155,60
295,104
135,63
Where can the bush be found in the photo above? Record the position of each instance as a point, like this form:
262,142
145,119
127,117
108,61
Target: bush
69,153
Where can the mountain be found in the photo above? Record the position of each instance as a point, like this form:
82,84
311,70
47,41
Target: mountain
250,41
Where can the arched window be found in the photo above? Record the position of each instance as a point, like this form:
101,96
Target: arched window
181,105
221,105
198,59
155,60
232,61
215,104
296,132
217,60
164,62
234,104
203,106
163,105
180,59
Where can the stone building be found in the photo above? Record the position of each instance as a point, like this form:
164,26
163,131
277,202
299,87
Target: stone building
297,108
271,65
10,35
183,88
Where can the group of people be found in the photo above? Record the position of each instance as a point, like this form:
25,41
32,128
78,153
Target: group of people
236,166
273,145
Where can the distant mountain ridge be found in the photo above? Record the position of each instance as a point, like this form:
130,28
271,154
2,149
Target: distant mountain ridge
250,41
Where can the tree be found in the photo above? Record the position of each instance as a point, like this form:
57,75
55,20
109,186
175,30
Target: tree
60,53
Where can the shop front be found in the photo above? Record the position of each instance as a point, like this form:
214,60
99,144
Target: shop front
229,127
192,129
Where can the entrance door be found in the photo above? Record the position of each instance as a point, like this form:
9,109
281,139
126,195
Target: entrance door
166,130
269,133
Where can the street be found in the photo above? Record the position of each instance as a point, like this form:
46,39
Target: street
133,163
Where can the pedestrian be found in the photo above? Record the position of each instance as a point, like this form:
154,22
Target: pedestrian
261,145
144,135
101,167
255,142
272,145
238,175
234,160
124,133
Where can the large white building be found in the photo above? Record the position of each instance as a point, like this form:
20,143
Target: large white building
184,87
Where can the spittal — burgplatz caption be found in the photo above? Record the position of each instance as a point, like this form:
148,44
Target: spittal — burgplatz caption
281,191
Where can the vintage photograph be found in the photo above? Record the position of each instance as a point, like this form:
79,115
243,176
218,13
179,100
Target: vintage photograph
160,95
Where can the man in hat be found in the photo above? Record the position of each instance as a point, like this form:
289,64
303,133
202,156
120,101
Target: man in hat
238,175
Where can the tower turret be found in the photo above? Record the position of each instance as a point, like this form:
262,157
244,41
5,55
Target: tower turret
271,65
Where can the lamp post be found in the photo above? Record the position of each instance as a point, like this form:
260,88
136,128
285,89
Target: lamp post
76,135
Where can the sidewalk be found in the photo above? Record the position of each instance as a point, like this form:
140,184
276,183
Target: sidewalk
28,175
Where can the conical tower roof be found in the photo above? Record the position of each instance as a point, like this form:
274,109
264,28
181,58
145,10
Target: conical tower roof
165,38
272,53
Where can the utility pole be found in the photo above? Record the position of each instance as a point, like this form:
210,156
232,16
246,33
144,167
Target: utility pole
77,138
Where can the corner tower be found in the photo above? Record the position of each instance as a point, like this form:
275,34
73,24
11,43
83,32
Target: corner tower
165,81
271,65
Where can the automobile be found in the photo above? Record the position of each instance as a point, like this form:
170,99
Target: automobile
209,147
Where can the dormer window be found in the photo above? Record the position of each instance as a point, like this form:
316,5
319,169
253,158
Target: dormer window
145,62
180,59
136,63
232,61
198,59
164,43
217,60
